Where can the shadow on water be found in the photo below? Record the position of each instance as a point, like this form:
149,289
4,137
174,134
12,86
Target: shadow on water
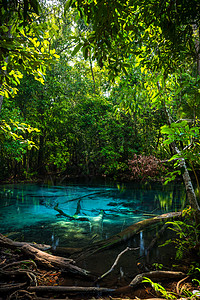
28,212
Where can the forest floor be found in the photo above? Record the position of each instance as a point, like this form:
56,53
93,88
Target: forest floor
19,275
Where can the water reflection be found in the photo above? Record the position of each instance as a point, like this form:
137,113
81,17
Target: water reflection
85,213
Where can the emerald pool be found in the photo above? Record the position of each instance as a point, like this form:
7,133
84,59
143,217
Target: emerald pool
27,211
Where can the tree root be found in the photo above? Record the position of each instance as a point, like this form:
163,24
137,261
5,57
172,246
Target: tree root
31,277
31,262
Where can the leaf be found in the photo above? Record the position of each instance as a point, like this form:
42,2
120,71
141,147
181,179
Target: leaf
76,49
67,6
166,130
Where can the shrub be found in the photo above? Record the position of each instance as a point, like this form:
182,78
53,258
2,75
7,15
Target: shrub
144,167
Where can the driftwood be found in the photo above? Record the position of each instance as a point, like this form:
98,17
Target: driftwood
155,276
124,235
8,243
70,289
43,258
51,261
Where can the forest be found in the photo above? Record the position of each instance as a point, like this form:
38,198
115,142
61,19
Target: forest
102,89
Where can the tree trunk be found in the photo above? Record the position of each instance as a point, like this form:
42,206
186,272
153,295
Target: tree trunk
1,101
186,177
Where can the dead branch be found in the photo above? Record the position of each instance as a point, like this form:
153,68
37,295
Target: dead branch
76,217
155,276
115,262
7,288
62,213
69,289
51,261
2,262
8,243
31,262
43,258
178,284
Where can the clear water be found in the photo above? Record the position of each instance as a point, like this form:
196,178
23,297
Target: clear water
27,210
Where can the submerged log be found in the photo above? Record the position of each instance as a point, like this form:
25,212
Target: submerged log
124,235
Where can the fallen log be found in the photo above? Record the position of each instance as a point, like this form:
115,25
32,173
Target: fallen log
51,261
124,235
10,287
43,258
70,289
8,243
155,276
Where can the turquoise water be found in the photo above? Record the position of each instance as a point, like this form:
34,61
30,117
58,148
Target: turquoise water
27,211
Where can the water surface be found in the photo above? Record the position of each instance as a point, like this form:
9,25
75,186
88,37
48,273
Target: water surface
27,211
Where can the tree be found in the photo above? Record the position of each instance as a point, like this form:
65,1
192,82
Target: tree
24,46
160,34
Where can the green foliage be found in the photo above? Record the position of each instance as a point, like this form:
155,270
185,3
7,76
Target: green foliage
159,289
188,136
187,233
24,45
157,266
87,124
123,27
